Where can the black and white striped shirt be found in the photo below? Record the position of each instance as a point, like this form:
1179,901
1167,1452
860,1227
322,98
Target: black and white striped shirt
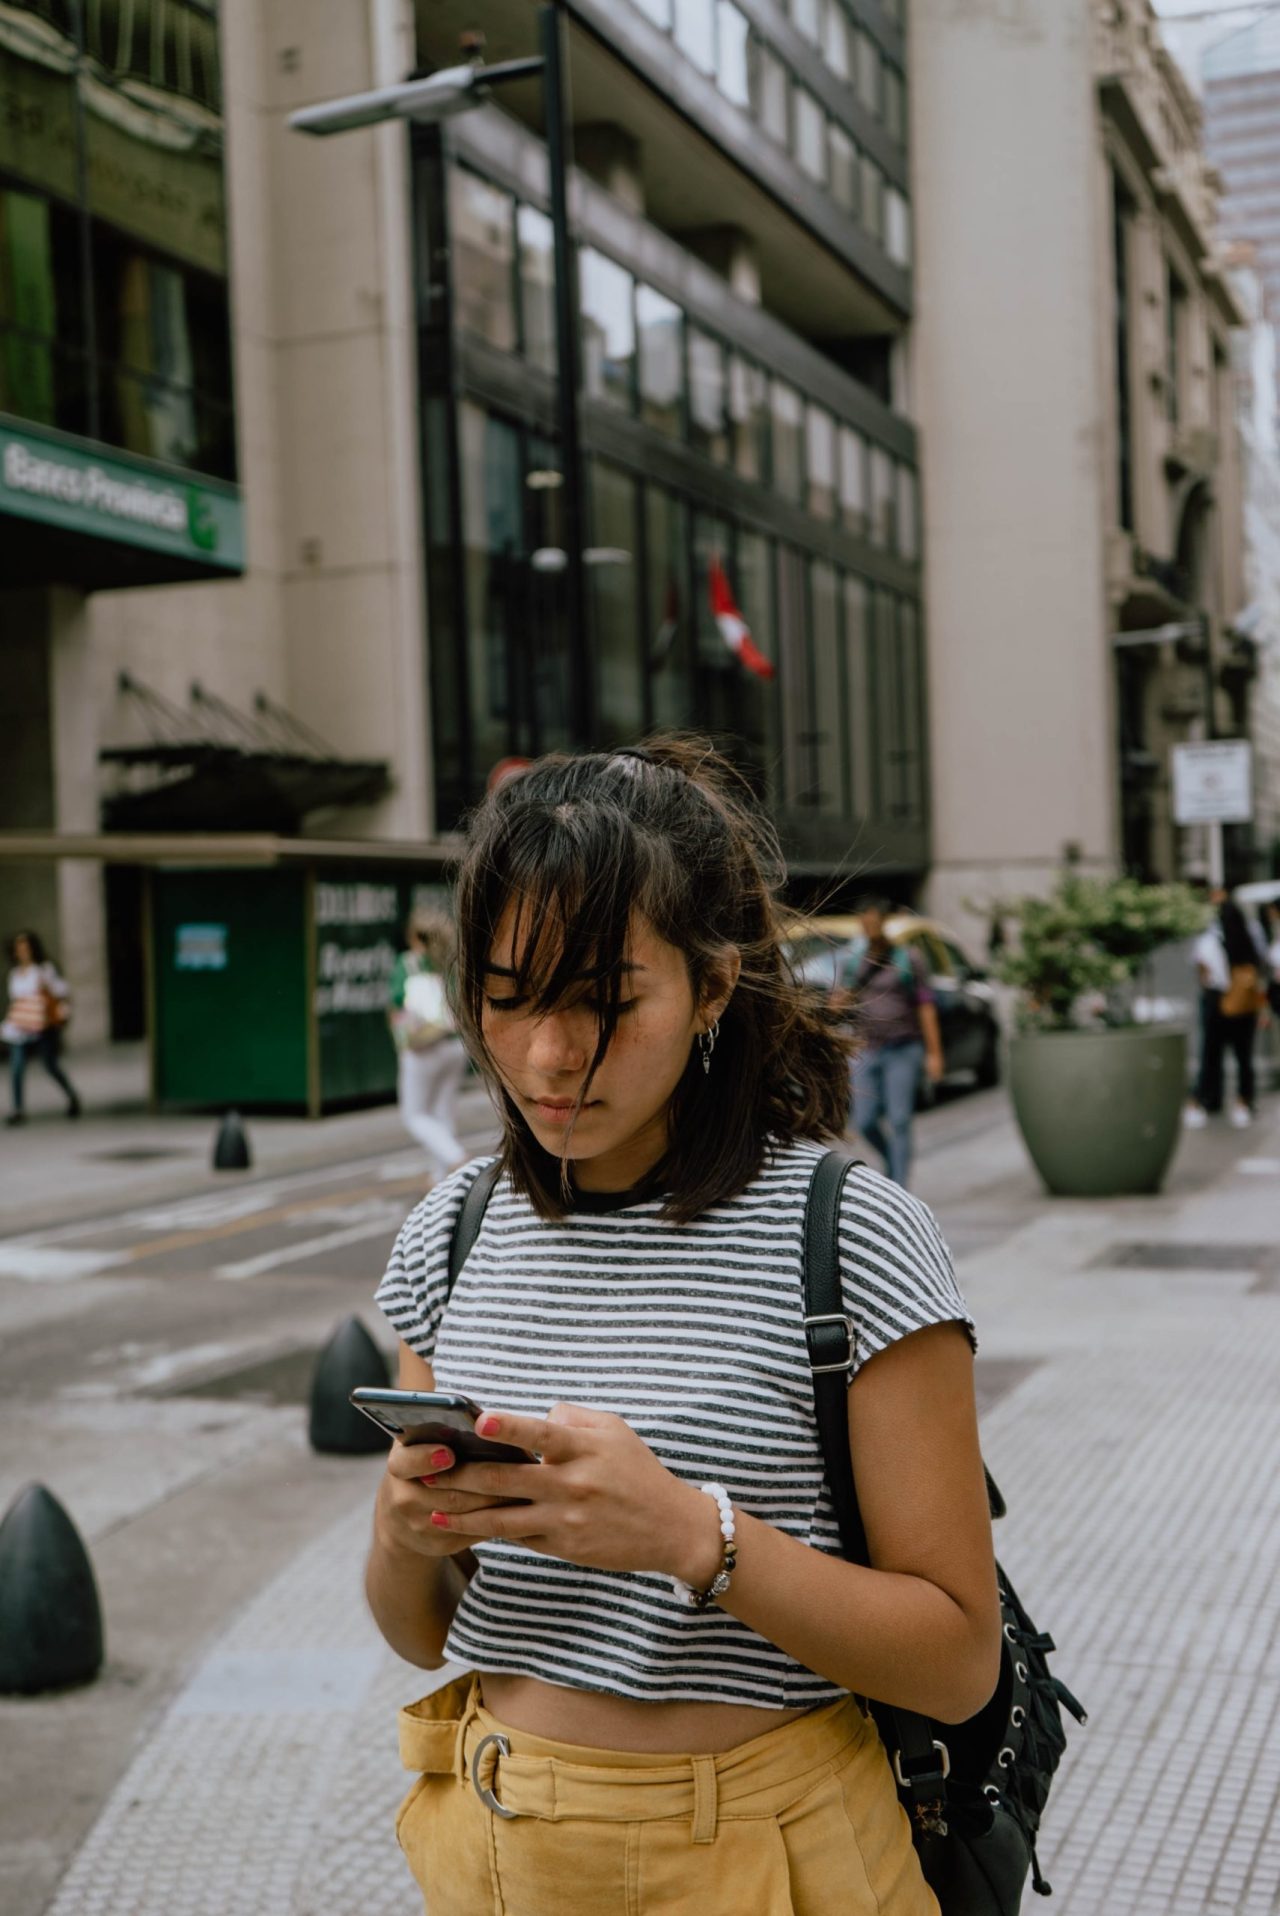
693,1334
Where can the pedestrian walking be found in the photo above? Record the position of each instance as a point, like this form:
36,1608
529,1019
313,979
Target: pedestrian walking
432,1057
39,1010
665,1713
1230,969
886,988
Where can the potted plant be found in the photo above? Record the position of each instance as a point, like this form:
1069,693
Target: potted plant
1097,1095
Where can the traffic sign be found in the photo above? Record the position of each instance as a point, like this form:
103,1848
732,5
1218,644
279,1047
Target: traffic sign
1213,782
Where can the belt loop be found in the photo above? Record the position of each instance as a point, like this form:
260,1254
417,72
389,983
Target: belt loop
469,1710
704,1799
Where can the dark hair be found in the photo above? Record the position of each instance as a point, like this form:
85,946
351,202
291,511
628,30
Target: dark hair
1236,935
669,831
877,902
36,943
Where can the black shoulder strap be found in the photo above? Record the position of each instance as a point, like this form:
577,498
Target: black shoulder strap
471,1217
832,1339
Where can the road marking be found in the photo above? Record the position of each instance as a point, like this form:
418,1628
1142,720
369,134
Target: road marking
35,1263
313,1247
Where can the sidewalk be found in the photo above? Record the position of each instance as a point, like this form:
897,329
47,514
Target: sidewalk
120,1152
1130,1351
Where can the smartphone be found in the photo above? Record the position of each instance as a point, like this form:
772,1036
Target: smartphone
436,1417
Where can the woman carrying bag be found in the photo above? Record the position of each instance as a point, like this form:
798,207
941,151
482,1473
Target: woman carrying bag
669,1648
1233,996
431,1057
39,1010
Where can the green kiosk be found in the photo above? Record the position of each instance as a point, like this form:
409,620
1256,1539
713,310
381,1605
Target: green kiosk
268,981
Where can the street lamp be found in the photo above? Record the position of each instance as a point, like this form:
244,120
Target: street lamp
441,96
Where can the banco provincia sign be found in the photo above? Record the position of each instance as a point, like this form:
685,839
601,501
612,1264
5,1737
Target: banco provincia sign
80,487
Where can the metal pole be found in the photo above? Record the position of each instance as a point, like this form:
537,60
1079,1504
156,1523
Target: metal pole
1217,862
555,106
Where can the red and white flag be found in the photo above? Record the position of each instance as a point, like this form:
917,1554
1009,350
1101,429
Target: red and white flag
733,627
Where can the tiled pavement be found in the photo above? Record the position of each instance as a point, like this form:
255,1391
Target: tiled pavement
1136,1439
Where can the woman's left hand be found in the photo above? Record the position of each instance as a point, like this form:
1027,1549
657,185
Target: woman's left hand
597,1497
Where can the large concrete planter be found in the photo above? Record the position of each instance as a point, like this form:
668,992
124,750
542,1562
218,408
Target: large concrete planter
1100,1111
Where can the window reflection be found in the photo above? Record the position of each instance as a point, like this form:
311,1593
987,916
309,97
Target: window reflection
608,328
667,611
860,685
820,456
828,692
659,333
883,498
897,227
748,418
707,424
769,92
811,135
482,247
853,480
695,32
537,287
612,592
844,182
787,440
731,56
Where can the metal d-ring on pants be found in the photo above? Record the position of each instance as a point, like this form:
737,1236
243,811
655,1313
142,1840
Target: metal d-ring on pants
802,1817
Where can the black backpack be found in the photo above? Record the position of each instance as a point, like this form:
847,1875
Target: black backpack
974,1791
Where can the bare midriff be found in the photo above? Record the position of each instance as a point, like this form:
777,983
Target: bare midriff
616,1723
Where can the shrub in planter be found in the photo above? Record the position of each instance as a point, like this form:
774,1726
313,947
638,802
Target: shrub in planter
1097,1096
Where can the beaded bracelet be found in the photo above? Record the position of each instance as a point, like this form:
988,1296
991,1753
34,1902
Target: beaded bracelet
703,1599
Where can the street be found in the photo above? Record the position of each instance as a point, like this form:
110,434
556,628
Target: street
238,1751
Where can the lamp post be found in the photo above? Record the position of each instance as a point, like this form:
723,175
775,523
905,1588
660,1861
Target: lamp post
442,96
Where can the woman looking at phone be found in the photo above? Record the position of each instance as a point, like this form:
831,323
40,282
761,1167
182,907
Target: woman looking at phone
669,1646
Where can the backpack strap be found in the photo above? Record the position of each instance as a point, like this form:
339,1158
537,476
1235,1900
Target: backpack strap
471,1217
920,1762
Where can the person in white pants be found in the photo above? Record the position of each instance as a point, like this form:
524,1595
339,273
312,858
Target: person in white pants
432,1058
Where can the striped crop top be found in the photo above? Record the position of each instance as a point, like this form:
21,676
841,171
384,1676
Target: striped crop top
693,1334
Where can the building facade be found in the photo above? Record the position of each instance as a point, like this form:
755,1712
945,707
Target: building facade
1081,485
1240,75
741,228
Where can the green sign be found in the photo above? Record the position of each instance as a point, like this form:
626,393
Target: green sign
70,483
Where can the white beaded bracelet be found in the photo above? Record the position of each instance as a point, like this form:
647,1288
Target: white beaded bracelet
703,1599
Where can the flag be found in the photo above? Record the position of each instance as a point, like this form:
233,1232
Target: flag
733,627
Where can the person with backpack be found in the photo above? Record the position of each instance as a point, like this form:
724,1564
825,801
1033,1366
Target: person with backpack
1230,963
886,988
668,1650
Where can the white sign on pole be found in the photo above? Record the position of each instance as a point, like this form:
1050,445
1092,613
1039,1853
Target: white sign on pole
1213,782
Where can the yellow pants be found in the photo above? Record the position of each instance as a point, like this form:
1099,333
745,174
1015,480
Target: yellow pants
801,1821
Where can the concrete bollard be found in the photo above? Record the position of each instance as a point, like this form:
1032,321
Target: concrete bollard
50,1616
231,1151
349,1358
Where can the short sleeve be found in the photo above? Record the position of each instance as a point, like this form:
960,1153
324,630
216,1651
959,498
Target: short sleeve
920,974
895,1266
415,1285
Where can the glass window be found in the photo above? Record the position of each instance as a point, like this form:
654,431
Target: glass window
537,288
769,92
820,450
911,705
897,227
861,695
908,515
797,686
494,561
811,135
659,11
895,104
842,159
608,327
731,61
708,427
883,498
612,601
733,702
807,15
748,418
787,421
695,32
667,628
42,367
853,480
872,197
828,690
482,244
659,330
867,67
145,348
835,39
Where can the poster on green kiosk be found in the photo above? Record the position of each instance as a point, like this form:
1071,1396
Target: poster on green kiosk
358,928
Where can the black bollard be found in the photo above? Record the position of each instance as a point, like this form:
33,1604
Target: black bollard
231,1152
50,1617
349,1358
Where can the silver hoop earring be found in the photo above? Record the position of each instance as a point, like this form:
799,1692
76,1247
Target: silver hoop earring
707,1044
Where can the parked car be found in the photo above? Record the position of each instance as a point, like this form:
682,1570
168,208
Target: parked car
967,1017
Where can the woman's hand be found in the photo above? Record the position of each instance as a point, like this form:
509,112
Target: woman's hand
598,1497
408,1498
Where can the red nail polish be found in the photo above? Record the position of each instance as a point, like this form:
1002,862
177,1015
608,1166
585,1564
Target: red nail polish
439,1519
439,1458
430,1482
487,1426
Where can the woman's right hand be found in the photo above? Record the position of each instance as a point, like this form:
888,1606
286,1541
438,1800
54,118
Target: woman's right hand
408,1496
